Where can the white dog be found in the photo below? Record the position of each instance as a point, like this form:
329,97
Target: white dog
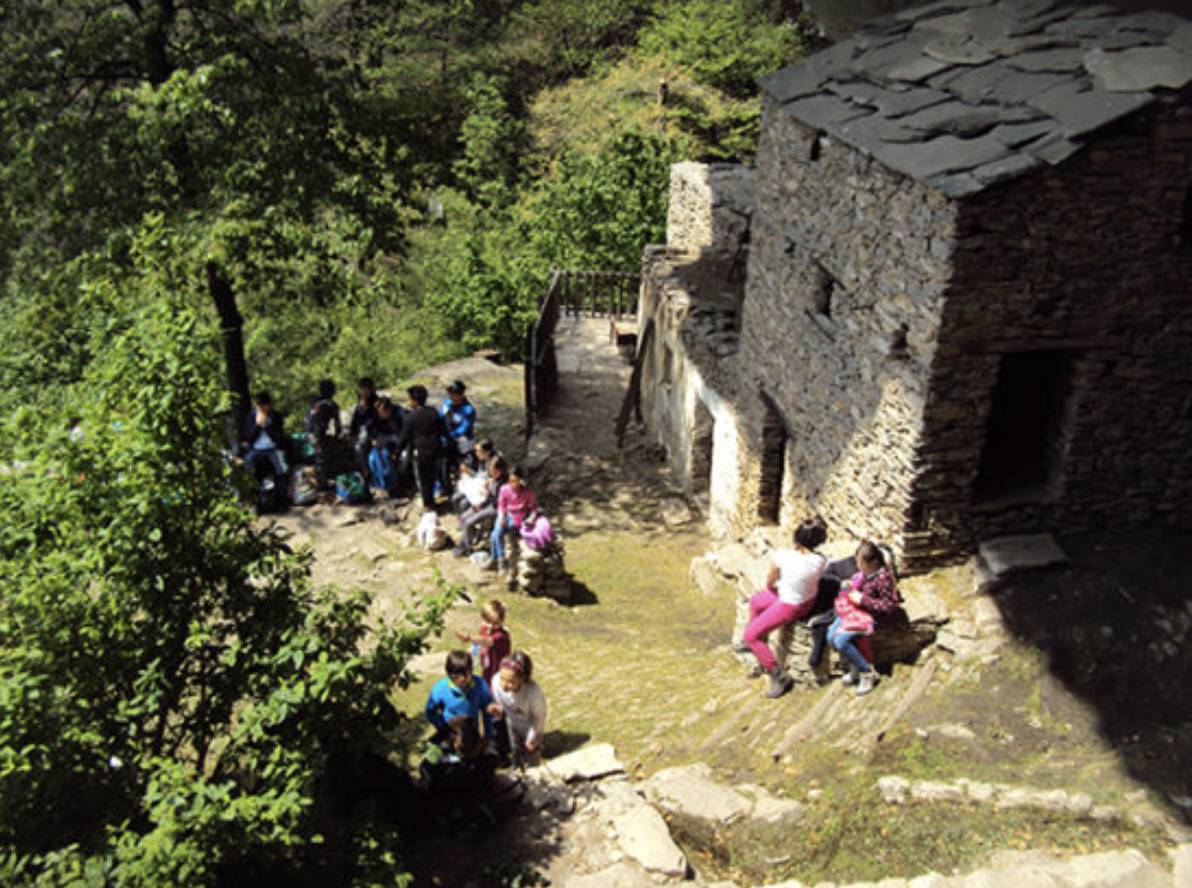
430,533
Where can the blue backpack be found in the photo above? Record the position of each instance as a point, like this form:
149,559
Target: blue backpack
381,469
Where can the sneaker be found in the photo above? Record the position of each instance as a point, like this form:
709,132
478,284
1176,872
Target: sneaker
780,683
755,672
850,675
491,564
866,683
461,551
742,647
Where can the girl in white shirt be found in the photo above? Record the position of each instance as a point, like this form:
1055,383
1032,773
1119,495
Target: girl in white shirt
520,700
789,595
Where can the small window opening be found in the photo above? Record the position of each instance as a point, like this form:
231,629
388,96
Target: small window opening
702,443
773,453
826,289
1026,435
817,148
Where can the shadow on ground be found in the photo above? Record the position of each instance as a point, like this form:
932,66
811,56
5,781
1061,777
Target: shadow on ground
1113,627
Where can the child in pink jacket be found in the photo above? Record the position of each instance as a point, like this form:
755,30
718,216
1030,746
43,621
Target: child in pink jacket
868,595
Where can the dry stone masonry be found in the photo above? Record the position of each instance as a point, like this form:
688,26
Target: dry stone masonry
964,311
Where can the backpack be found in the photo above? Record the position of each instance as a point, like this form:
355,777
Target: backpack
272,496
382,470
304,486
349,487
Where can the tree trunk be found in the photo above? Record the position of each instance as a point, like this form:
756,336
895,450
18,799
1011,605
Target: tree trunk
231,324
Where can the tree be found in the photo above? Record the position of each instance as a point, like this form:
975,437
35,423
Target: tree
175,693
727,45
212,113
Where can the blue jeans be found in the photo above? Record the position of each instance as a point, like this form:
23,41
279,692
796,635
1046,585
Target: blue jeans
843,642
504,524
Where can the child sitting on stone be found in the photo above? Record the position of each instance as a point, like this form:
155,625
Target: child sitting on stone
868,595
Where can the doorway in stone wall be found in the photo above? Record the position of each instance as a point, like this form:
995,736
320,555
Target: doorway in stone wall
702,437
773,468
1025,438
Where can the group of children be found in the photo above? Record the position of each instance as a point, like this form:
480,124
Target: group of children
496,717
794,587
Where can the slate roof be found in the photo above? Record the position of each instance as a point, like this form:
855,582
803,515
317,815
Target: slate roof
960,94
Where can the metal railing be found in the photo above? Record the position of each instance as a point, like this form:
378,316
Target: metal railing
611,294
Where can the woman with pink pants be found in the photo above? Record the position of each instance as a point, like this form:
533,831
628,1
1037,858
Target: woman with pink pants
789,595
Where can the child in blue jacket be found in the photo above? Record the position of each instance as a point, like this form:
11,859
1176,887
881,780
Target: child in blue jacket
460,693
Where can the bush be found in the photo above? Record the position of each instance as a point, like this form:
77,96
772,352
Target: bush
173,692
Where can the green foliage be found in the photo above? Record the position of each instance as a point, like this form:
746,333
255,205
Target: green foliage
485,280
601,211
566,37
727,45
173,689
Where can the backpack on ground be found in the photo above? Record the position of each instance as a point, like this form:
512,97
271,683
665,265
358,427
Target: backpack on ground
272,496
349,487
304,486
382,469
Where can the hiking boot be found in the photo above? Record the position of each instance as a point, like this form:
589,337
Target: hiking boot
866,683
780,683
742,647
850,675
461,551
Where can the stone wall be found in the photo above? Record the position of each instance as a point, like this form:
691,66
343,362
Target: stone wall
709,206
691,296
847,273
1084,260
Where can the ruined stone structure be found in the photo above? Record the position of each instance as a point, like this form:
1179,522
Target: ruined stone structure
966,309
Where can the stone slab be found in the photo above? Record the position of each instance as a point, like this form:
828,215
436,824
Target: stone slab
916,70
691,791
587,763
955,117
1013,554
941,155
1181,866
1056,61
824,111
619,875
1081,110
1143,68
643,835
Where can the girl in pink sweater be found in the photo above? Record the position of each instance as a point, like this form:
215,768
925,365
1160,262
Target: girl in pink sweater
515,504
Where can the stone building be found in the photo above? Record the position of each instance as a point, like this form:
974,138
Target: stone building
952,299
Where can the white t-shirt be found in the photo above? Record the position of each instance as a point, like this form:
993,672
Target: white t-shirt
525,709
798,575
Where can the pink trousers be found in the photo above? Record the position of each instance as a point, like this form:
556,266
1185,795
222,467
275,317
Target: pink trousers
767,613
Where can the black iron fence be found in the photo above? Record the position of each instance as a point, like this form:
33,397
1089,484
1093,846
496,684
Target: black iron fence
611,294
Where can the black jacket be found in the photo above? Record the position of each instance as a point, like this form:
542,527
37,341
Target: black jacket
274,428
421,429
